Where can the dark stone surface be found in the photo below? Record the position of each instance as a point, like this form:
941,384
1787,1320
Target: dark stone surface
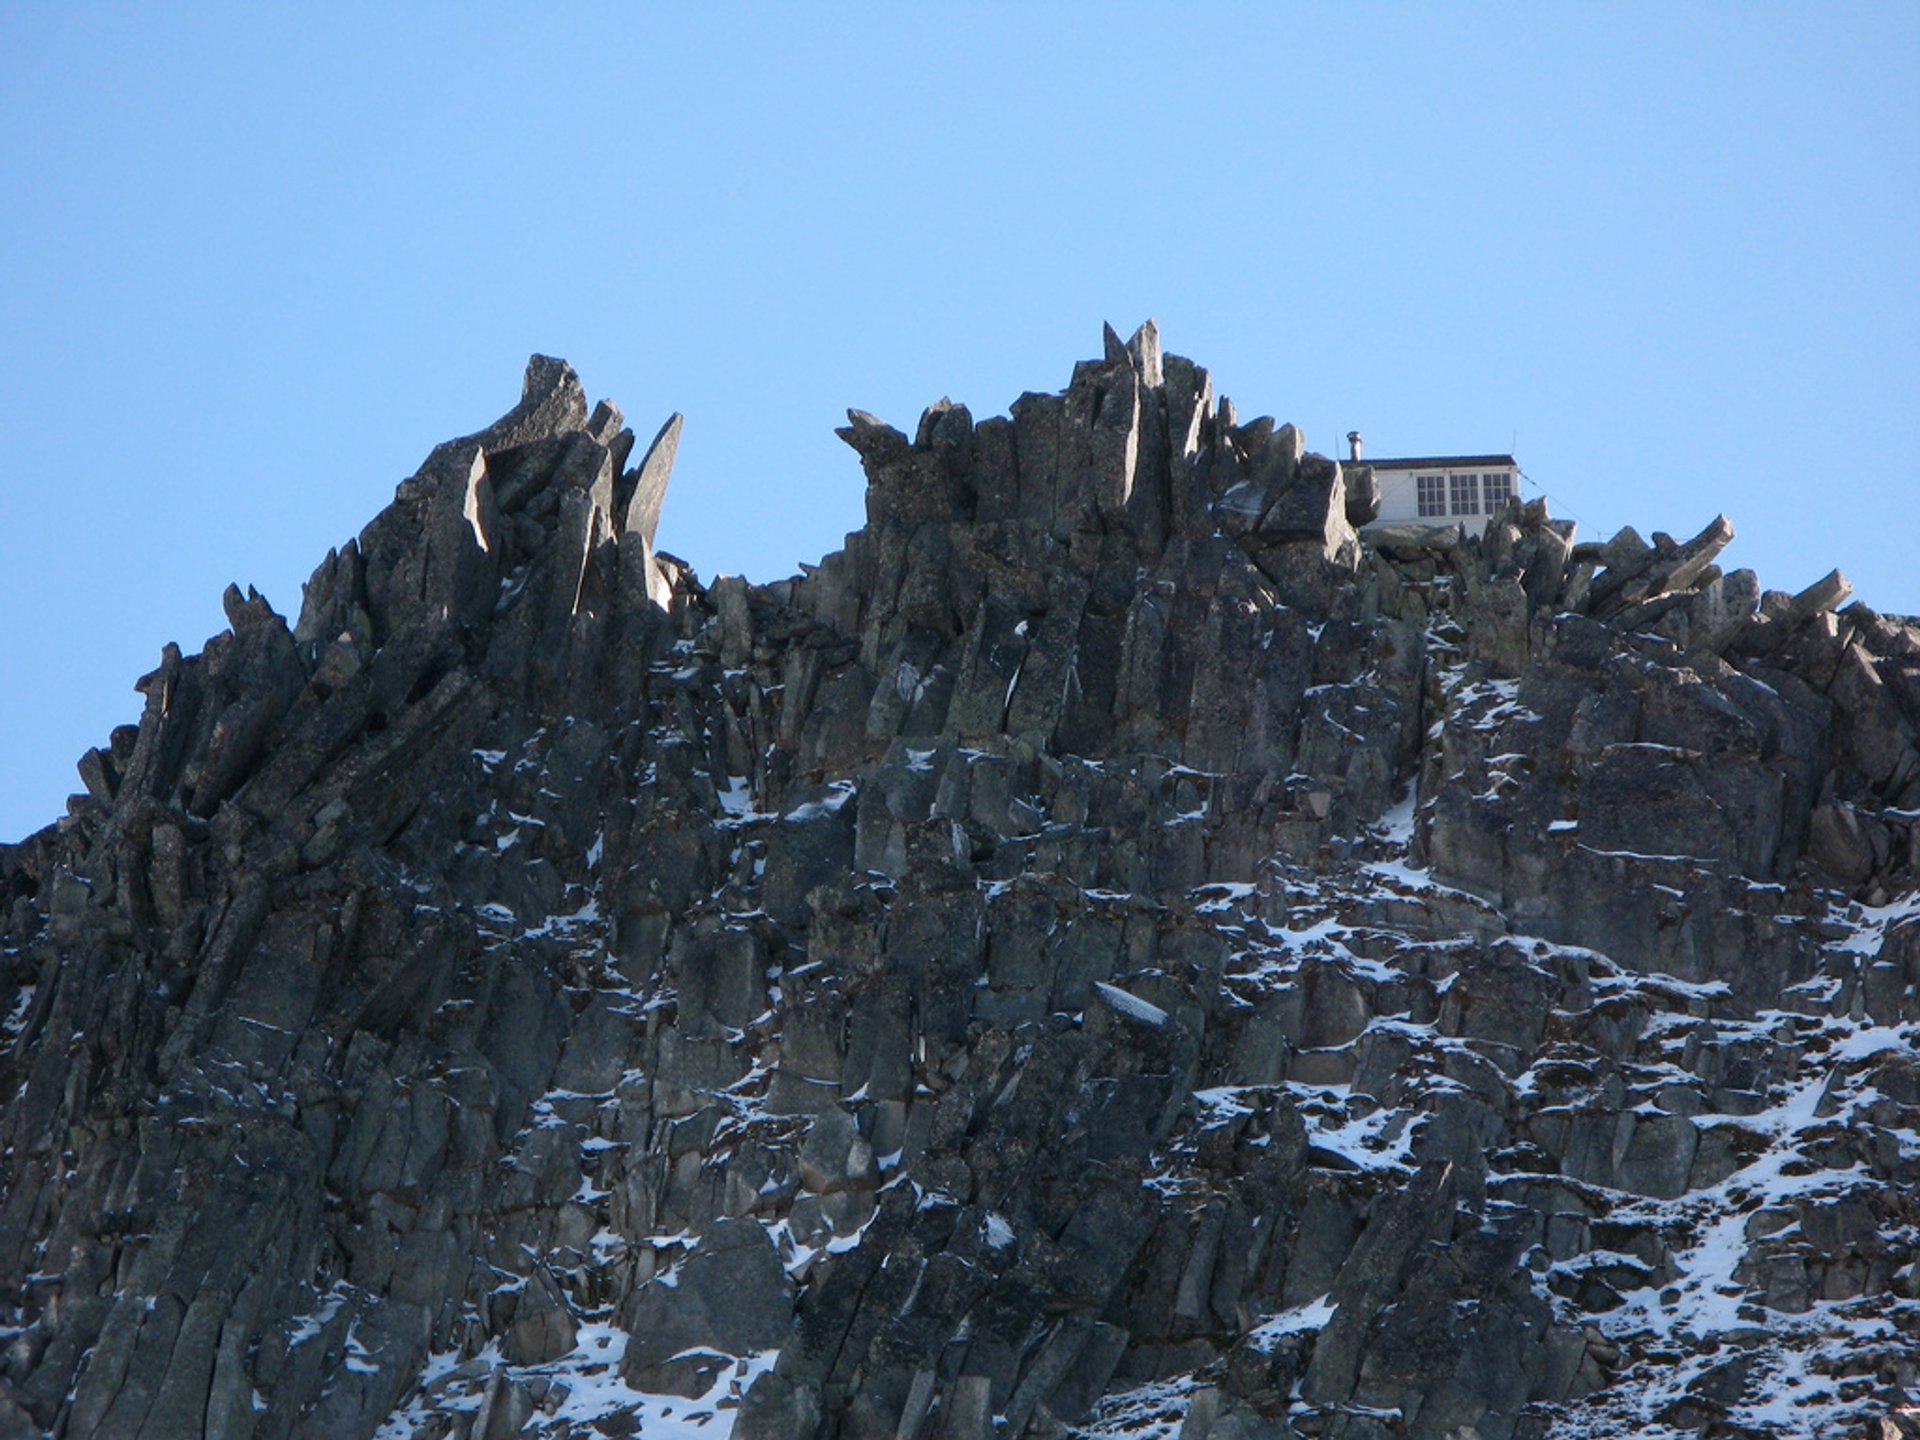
1111,926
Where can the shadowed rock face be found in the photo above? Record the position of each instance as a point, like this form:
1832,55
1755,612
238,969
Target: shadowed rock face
1110,950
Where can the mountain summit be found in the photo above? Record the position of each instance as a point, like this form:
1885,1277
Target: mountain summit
1119,949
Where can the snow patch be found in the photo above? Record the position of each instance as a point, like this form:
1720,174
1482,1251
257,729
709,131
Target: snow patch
1300,1320
1131,1006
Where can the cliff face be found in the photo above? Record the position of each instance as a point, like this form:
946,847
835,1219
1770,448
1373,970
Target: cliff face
1109,951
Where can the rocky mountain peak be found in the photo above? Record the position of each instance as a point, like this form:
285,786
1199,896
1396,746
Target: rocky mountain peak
1118,948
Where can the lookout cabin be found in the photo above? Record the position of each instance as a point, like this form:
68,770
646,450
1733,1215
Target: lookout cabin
1464,490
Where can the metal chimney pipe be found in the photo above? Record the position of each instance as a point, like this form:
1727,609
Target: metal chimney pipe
1353,445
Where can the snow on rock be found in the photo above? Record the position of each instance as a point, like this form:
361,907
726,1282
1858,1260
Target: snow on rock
1130,1005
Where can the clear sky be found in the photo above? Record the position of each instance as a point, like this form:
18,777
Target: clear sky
255,261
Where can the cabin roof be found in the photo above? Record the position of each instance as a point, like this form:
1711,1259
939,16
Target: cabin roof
1438,462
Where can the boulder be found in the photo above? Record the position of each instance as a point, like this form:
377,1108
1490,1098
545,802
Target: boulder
729,1298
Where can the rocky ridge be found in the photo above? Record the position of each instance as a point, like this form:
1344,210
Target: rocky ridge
1111,951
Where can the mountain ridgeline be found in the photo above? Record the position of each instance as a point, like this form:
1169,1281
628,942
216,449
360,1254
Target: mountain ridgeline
1115,950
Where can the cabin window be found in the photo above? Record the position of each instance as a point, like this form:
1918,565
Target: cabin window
1465,494
1498,489
1432,494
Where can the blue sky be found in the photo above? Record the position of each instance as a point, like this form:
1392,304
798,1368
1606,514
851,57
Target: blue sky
255,261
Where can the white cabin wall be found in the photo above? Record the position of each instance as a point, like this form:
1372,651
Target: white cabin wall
1400,496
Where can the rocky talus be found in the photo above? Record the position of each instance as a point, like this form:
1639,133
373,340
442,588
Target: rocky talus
1112,951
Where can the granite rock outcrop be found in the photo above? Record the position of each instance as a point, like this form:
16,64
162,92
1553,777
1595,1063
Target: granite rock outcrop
1113,950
